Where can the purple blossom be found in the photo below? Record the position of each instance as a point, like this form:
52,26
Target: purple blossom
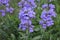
31,29
23,27
45,5
44,26
49,23
52,12
7,7
27,3
4,1
51,6
26,14
46,16
3,12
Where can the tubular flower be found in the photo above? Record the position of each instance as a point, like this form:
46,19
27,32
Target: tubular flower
46,16
7,7
3,12
26,14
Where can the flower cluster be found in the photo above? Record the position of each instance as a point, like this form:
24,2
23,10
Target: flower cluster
47,14
26,14
7,9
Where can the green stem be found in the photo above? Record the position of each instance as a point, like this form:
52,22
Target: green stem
27,35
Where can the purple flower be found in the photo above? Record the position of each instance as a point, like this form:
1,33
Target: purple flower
26,14
51,6
49,23
30,0
44,26
43,14
45,6
41,22
31,14
3,12
7,5
23,27
4,1
9,9
31,30
52,12
46,16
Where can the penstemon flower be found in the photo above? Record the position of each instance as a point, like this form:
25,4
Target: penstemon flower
7,7
46,16
26,14
3,12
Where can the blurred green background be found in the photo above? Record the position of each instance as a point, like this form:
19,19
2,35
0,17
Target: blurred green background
9,24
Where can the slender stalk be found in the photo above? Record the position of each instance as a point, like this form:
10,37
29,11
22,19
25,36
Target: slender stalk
27,35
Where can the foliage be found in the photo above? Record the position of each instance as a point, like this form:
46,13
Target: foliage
9,24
